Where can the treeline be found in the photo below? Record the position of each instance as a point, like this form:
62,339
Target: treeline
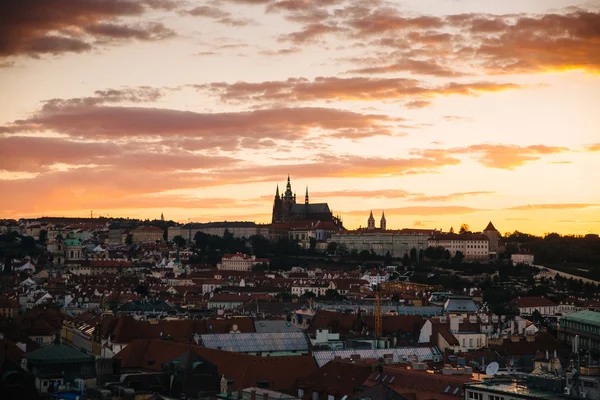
13,245
557,250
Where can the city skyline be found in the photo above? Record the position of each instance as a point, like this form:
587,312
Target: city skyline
438,112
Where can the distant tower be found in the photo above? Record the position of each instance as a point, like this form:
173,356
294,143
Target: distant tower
276,207
162,217
494,237
306,197
371,222
383,223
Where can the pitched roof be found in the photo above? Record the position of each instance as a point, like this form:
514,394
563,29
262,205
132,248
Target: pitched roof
126,329
245,370
421,384
339,322
337,378
490,227
534,301
57,354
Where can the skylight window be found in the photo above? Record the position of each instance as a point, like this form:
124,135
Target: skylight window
447,389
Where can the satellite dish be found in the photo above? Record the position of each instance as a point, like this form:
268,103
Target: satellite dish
512,362
492,369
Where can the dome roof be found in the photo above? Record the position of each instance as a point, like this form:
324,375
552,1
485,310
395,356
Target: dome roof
72,242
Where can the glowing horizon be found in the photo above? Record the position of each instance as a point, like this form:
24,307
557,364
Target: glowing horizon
438,112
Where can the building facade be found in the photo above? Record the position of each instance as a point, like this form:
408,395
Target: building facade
581,330
472,246
145,234
240,262
381,241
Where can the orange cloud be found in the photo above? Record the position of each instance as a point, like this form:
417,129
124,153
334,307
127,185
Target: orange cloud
593,147
567,206
449,197
40,27
359,88
77,118
497,155
420,210
414,66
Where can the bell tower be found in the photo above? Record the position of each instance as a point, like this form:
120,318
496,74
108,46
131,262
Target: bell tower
371,222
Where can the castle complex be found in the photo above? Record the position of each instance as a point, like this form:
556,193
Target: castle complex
286,209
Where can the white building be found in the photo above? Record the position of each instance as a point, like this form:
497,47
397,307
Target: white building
472,246
240,229
381,241
300,288
240,262
543,305
376,277
522,258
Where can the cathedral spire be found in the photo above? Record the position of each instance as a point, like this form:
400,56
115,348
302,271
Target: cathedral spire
383,222
288,189
277,192
306,197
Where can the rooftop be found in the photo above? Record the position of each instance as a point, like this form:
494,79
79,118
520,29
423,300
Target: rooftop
587,317
518,391
57,354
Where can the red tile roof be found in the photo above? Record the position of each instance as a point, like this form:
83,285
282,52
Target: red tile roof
535,301
126,329
420,385
245,370
337,378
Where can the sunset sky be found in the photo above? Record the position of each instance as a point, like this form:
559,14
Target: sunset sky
439,112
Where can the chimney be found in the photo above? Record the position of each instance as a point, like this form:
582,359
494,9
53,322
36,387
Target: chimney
265,396
239,394
253,395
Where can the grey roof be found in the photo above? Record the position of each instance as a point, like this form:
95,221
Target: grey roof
146,306
316,208
460,304
278,326
256,342
585,316
57,354
399,354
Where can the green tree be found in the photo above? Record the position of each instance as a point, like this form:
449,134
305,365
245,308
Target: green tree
458,257
260,245
464,228
43,238
406,260
332,248
388,260
413,254
129,239
313,244
179,241
342,251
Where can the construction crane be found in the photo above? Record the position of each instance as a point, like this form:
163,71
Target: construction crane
395,287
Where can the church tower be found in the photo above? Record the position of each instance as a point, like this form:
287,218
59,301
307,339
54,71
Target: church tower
371,222
383,222
276,207
306,197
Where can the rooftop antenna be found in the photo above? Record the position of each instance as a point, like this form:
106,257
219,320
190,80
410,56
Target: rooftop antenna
492,369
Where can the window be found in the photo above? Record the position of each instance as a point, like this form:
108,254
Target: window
470,342
330,397
475,396
300,393
315,396
491,397
39,340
